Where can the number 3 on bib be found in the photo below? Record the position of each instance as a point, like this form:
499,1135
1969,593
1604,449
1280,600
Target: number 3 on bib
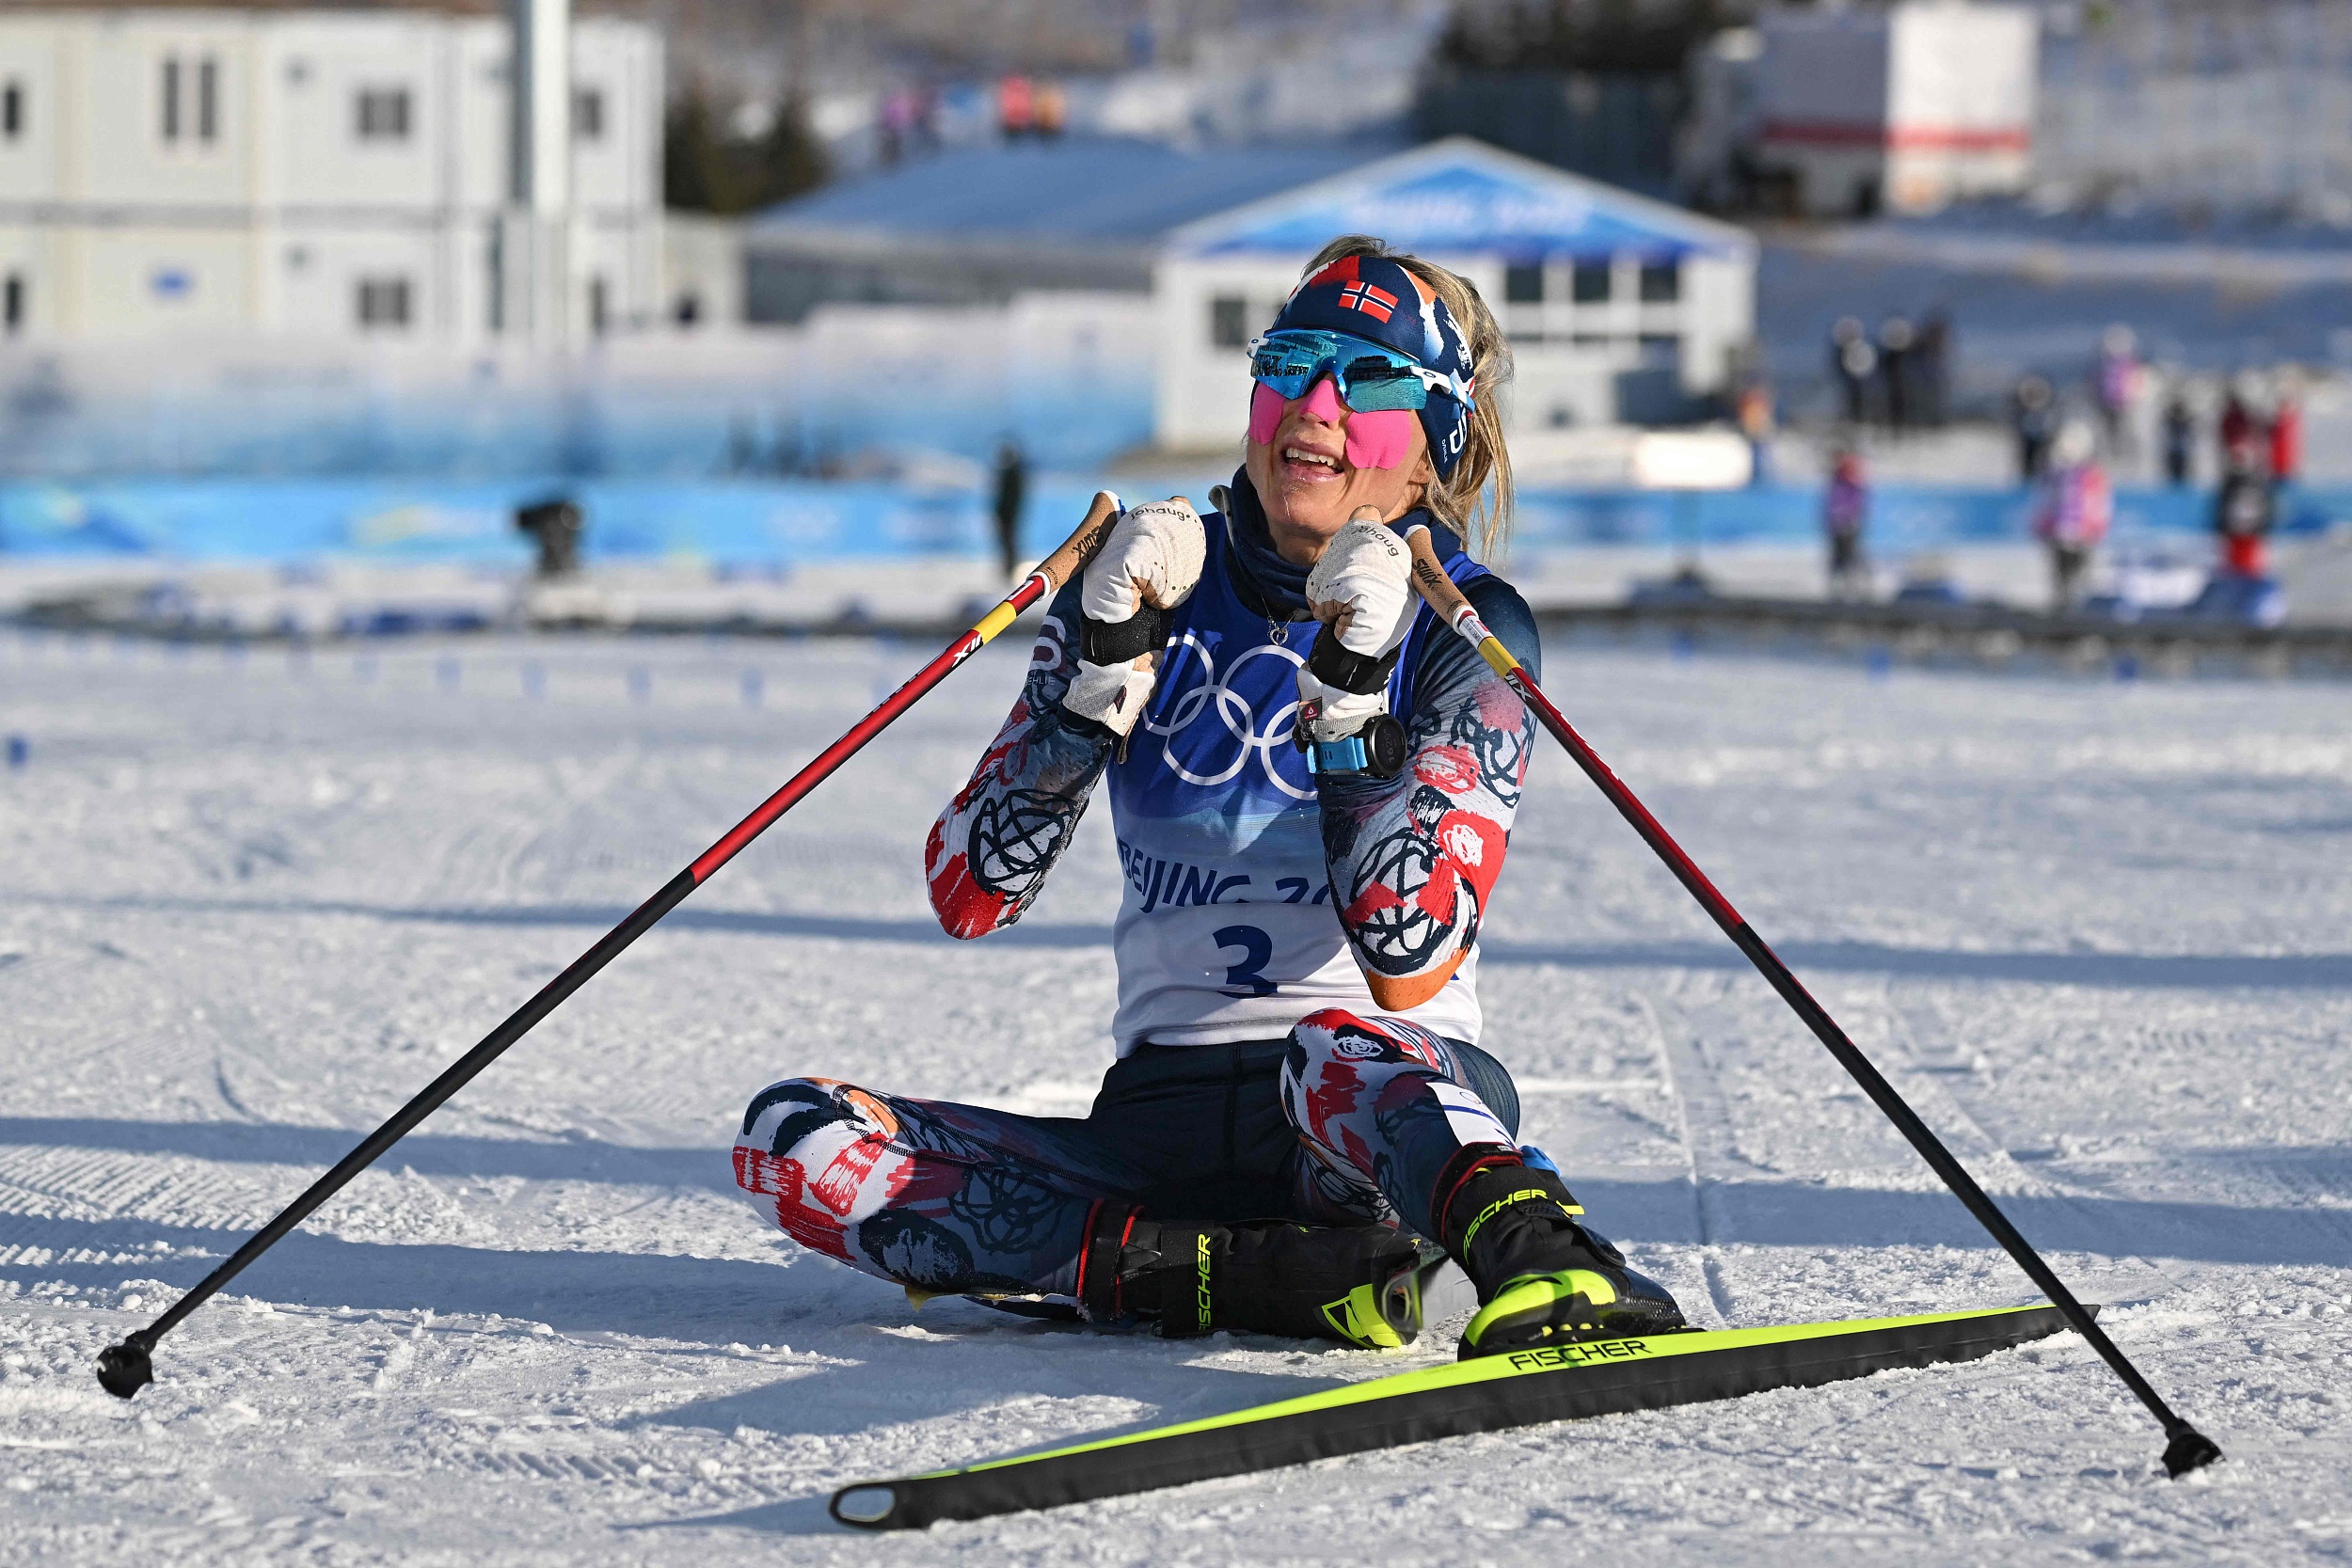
1247,978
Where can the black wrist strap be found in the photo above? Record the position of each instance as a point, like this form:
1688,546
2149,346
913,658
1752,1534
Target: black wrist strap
1357,673
1123,642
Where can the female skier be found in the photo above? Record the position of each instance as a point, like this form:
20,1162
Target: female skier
1311,784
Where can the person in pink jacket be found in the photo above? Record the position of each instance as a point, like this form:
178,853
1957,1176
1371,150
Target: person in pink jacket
2073,507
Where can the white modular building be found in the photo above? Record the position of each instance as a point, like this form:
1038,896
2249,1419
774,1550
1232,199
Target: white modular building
1905,109
1618,309
325,174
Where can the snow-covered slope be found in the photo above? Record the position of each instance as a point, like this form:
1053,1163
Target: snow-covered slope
2097,931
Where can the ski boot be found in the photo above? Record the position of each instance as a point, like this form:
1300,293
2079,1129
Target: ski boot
1367,1285
1542,1278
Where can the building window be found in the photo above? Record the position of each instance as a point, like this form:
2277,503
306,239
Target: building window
1228,322
1523,285
383,304
1661,282
587,114
600,306
12,110
1659,351
382,114
1589,284
208,100
169,124
12,304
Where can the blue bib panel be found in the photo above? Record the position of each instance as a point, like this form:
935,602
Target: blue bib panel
1226,929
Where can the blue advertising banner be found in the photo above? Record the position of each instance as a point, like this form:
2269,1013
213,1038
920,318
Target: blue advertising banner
788,522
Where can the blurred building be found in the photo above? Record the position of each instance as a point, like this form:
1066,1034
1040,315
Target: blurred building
2226,105
1618,309
1129,257
1598,87
327,174
1904,108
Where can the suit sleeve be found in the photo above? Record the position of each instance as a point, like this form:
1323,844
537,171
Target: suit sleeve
990,850
1413,860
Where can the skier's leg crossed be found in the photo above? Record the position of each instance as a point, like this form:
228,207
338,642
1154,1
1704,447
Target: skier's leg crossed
1387,1112
939,1197
943,1199
1383,1106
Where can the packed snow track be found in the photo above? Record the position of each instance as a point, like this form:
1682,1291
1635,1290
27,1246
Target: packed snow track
2100,933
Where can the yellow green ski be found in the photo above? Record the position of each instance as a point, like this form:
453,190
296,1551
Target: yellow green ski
1555,1383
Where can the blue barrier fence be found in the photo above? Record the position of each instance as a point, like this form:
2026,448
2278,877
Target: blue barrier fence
766,524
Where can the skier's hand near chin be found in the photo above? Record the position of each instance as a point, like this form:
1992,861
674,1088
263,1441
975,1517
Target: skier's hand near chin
1149,564
1362,589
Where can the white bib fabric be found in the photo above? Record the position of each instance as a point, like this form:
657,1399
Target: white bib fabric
1226,929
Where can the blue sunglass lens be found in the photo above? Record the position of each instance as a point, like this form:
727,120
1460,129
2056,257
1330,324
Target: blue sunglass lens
1381,383
1366,382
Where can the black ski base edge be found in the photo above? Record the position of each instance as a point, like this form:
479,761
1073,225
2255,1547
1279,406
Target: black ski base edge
1599,1386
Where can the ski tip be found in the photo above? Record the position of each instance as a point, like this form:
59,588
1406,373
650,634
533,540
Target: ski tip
869,1506
2191,1450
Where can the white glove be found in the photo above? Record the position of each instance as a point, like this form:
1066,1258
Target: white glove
1153,556
1363,587
1155,552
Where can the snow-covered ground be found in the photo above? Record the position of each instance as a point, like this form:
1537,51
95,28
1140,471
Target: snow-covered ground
248,905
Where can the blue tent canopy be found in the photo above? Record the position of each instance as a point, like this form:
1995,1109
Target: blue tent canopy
1462,197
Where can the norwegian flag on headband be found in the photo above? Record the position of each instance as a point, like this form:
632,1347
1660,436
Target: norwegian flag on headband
1376,303
1372,297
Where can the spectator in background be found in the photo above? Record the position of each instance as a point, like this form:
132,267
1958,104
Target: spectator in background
1852,361
2243,511
2286,434
2072,509
1754,409
1845,518
1897,369
2237,428
1016,107
1013,488
2180,428
926,127
1049,111
2117,384
896,123
2033,412
1935,367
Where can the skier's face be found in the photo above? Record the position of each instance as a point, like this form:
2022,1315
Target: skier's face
1315,463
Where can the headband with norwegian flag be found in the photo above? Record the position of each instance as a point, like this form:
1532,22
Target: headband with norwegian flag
1374,298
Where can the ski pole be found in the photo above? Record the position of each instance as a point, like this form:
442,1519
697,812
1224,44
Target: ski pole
2188,1448
124,1369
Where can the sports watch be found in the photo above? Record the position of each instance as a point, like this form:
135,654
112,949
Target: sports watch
1377,749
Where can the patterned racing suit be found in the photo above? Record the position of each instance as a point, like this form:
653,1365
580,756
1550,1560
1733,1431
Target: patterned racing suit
1272,1088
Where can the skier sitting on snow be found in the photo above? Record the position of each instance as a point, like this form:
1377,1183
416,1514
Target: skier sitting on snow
1299,1119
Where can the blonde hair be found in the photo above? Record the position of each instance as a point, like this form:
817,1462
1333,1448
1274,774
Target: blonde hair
1476,502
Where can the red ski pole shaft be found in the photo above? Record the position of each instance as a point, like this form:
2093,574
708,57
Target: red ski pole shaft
124,1369
2188,1448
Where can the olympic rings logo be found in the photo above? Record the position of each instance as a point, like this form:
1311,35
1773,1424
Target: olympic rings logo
1233,713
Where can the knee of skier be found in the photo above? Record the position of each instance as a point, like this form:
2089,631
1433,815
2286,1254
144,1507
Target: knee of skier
1334,1057
1313,1044
1330,1037
815,1156
801,1125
